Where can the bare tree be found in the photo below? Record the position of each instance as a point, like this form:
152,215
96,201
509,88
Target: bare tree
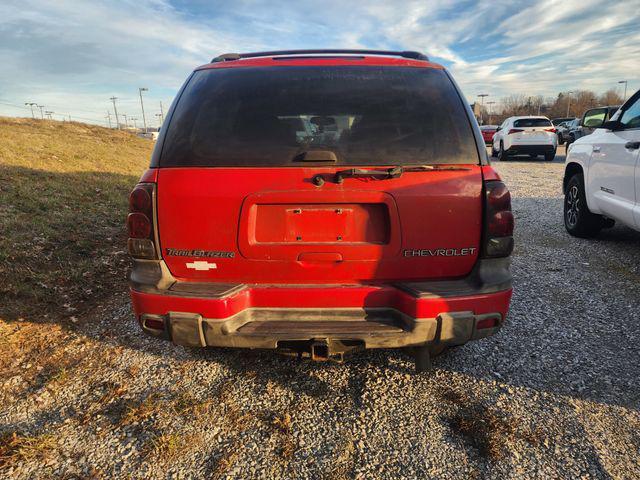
515,104
610,97
575,103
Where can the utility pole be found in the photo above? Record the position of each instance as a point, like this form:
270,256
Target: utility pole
482,95
489,108
161,114
569,102
624,99
48,113
144,120
41,114
31,104
108,117
115,109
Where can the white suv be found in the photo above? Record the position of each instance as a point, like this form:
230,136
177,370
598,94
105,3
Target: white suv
531,136
602,175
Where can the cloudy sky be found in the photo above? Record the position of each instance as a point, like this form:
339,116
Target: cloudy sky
72,55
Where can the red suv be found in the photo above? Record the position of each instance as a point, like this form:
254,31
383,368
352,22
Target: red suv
317,202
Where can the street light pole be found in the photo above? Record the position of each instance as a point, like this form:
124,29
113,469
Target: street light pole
489,107
482,95
115,109
624,99
144,120
569,102
31,104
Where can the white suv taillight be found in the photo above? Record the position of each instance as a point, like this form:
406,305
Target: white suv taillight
498,224
140,224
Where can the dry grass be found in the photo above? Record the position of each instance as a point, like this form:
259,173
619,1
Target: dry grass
226,461
63,202
138,411
33,354
342,466
187,404
169,447
490,434
16,448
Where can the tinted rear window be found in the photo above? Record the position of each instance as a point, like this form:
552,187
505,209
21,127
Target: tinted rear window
532,122
269,116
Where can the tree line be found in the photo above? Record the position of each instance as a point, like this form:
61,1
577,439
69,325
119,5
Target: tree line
565,104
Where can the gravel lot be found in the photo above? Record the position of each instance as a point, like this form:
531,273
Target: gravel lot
554,395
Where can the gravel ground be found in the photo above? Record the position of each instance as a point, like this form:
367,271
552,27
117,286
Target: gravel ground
554,395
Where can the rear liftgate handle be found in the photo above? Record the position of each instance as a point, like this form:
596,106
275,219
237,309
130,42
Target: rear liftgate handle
320,257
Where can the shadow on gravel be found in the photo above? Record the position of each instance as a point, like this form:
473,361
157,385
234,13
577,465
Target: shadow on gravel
574,323
573,327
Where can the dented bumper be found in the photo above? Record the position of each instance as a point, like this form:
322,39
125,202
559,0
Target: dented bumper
334,318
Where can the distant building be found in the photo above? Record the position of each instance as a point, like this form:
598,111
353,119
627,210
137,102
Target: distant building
475,107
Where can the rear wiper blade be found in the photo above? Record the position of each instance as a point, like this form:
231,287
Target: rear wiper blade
394,172
434,168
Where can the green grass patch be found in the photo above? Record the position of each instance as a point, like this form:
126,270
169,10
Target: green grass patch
63,204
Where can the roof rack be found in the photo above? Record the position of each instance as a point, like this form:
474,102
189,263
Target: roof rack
227,57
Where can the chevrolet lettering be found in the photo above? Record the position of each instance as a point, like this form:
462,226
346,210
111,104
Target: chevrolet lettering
439,252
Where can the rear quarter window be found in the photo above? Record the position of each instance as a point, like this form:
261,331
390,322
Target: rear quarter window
532,122
268,116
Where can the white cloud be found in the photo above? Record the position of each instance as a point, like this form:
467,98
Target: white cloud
73,55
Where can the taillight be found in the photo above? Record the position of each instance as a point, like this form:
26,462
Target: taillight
138,225
498,228
140,200
514,130
552,130
141,243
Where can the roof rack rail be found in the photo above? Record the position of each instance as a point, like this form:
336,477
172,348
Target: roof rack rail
237,56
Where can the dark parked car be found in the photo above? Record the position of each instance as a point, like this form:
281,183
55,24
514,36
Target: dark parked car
562,129
591,120
557,121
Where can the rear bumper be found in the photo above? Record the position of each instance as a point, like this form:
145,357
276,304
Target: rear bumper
342,317
531,149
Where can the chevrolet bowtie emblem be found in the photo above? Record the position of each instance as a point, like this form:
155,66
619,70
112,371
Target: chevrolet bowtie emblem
200,265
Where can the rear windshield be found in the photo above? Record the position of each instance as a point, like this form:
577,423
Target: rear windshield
532,122
272,116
